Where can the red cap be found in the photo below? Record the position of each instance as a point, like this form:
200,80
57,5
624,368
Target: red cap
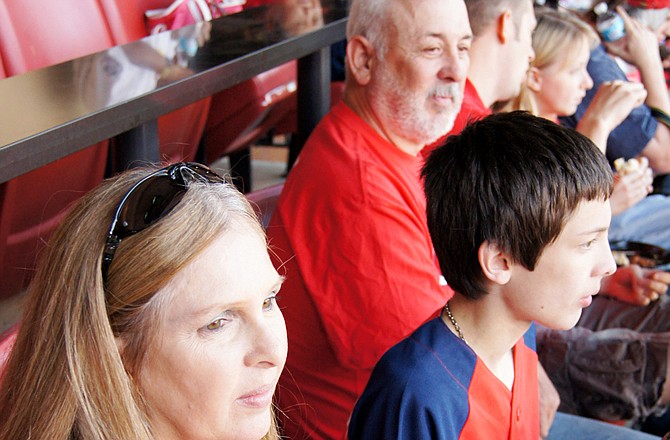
649,4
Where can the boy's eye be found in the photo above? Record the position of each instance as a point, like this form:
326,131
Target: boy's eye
589,243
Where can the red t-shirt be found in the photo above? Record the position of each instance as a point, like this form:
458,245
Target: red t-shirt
350,234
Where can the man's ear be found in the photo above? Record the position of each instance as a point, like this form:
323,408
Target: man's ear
494,263
360,57
534,79
505,27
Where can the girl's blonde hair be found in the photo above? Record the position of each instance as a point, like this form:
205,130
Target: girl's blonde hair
554,40
66,378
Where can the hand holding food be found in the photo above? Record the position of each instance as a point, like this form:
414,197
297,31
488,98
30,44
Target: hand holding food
632,183
623,166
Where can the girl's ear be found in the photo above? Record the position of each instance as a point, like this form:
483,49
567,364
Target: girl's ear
360,57
534,79
494,263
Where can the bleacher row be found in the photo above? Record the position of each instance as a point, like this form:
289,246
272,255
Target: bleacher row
36,34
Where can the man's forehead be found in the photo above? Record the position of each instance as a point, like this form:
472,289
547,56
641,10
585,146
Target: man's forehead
426,18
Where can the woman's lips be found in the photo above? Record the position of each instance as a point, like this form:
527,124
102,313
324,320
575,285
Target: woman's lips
259,398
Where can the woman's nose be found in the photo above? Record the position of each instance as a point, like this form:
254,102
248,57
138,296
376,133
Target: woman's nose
268,343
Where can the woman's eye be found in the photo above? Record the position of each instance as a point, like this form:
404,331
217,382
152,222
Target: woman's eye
270,303
216,324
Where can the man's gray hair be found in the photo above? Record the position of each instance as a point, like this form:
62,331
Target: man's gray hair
370,19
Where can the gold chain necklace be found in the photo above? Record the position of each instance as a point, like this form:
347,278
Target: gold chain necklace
454,323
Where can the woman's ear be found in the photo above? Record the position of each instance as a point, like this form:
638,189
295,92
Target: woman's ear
534,79
360,57
494,263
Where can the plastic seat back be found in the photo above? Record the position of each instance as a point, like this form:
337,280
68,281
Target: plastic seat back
242,114
35,34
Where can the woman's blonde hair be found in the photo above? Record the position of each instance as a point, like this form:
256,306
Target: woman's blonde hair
554,40
66,378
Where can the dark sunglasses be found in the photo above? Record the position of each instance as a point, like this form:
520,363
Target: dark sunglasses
151,199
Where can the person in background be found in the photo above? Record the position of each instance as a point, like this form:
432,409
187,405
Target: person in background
640,133
501,53
349,229
152,315
470,373
556,82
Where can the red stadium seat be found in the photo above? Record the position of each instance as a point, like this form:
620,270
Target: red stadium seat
243,114
35,34
289,122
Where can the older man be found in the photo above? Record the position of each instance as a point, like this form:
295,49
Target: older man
350,227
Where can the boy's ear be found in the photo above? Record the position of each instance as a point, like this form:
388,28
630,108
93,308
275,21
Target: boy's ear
494,263
505,27
360,57
534,79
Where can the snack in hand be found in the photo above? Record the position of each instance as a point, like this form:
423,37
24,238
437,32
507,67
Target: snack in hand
623,166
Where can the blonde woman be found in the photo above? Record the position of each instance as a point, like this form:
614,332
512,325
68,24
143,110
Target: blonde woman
557,80
153,315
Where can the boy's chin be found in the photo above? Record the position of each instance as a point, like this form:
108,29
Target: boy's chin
565,322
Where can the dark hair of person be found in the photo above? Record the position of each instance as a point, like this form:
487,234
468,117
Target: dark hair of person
512,179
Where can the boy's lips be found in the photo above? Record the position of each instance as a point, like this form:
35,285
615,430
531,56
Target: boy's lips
586,301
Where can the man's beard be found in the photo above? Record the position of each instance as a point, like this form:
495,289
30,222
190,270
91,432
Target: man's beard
406,111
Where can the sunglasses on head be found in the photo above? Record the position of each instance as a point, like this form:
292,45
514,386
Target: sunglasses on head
151,199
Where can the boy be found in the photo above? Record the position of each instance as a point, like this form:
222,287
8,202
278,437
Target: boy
518,212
